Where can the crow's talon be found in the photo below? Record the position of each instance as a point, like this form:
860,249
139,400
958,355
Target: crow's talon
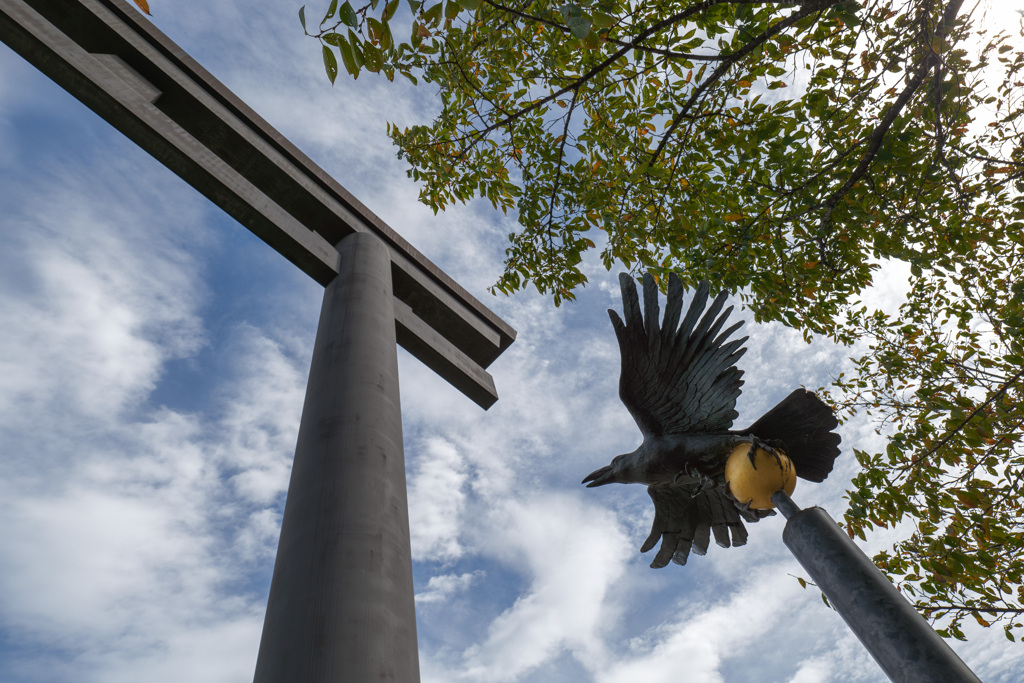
772,447
748,513
752,454
745,507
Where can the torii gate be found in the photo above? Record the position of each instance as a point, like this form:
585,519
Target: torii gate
341,600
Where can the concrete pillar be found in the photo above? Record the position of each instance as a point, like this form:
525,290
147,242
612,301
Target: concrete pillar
341,600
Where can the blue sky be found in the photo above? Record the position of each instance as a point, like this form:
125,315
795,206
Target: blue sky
152,367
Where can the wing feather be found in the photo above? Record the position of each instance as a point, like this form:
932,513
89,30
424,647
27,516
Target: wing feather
673,308
651,314
685,520
682,376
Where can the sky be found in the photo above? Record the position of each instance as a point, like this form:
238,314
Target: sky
153,356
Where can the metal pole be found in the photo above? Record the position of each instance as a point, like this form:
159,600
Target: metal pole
899,639
341,600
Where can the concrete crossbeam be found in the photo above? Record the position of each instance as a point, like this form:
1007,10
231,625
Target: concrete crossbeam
119,65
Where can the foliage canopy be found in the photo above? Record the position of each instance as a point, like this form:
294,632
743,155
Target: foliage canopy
783,150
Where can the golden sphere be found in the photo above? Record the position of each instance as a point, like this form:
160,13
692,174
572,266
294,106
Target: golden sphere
755,483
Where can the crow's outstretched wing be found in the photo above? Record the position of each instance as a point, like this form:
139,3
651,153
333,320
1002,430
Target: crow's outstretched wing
684,521
680,377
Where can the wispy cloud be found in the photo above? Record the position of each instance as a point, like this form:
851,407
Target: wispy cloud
440,588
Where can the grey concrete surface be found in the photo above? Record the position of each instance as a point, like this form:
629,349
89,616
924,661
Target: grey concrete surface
341,601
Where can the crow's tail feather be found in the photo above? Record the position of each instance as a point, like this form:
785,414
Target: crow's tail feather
804,424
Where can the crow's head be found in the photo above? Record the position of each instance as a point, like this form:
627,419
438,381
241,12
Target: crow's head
621,471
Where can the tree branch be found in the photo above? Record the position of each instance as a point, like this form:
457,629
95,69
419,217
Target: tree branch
964,608
558,166
729,60
998,393
878,134
616,41
611,59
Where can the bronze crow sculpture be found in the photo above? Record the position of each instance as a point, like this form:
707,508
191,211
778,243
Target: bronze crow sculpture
680,383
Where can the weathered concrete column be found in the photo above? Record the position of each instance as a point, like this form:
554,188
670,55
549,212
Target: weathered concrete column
341,600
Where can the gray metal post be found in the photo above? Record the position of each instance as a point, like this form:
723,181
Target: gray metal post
899,639
341,600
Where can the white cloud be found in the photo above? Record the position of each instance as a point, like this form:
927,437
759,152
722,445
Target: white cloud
742,630
574,552
814,671
145,533
96,308
440,588
133,532
259,424
436,500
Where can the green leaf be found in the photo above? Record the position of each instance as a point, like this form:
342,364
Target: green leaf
347,57
570,10
452,9
580,26
390,9
433,15
334,39
302,17
373,59
330,11
330,64
471,5
348,15
602,20
357,54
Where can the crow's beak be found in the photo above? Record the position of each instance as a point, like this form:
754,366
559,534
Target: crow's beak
605,475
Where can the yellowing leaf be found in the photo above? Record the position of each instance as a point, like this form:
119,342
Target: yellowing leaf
602,20
143,5
744,84
733,217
